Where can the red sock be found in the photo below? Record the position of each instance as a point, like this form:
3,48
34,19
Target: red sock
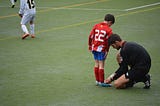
101,75
96,73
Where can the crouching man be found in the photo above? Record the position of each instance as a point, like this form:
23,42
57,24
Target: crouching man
134,64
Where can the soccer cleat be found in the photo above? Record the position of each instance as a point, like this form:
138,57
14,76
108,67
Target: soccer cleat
24,36
105,85
97,83
32,36
12,6
15,0
147,83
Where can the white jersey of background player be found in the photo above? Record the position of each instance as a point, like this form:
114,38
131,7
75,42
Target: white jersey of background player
27,13
12,2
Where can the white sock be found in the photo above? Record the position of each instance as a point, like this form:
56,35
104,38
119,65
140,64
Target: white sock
24,28
12,1
32,29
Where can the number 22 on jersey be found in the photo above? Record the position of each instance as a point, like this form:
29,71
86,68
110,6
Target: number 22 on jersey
100,34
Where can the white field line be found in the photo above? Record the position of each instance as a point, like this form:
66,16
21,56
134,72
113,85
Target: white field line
93,9
139,7
61,8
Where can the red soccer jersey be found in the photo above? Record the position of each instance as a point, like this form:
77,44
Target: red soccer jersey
98,38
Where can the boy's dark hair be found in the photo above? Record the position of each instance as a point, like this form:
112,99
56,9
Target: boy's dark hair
110,17
113,38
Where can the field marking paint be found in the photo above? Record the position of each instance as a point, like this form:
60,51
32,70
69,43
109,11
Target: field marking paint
87,3
87,9
140,11
63,7
139,7
7,16
82,23
75,5
68,26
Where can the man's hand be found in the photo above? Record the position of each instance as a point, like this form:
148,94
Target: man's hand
108,80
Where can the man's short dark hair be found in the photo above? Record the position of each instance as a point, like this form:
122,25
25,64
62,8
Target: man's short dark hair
110,17
113,38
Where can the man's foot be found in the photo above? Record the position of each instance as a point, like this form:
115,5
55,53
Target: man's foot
147,83
24,36
12,6
15,0
32,36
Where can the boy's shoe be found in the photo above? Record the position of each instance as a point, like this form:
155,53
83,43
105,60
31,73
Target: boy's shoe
105,85
24,36
32,36
15,0
147,83
97,83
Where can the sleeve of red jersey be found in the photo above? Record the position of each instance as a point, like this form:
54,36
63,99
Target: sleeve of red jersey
91,36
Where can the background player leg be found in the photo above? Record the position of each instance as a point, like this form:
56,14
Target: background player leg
25,30
32,29
12,2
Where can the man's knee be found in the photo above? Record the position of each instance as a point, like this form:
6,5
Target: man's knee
120,83
117,85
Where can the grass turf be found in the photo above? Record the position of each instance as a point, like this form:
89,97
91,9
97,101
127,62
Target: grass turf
56,69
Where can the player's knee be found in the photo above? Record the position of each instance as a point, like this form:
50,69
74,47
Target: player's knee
116,85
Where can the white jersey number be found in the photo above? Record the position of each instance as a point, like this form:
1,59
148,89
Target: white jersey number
99,35
30,4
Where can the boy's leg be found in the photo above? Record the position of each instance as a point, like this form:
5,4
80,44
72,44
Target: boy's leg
12,2
32,30
32,27
25,30
96,73
101,71
25,19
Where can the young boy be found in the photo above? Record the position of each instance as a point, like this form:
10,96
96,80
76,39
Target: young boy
27,13
98,45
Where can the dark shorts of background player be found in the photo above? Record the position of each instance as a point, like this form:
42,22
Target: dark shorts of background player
136,75
98,55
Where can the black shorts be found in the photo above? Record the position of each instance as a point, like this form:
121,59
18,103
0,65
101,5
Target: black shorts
136,75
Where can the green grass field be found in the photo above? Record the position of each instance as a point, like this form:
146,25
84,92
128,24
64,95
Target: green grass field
56,68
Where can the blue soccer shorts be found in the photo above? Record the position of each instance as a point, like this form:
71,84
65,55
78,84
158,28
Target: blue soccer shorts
98,55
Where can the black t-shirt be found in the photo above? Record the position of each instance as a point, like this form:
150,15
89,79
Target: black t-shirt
135,56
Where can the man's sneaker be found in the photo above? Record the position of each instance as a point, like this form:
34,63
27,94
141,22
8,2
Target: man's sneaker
147,83
24,36
105,85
